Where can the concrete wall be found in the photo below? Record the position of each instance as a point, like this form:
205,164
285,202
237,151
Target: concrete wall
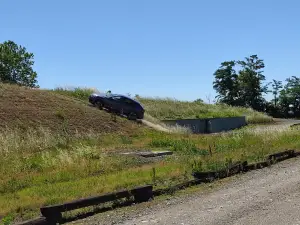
209,125
225,124
195,125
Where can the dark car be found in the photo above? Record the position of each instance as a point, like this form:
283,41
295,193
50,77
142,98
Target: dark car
118,104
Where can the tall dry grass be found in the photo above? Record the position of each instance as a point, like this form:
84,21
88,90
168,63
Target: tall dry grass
38,167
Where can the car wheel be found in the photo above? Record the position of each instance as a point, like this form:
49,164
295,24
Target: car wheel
99,105
132,116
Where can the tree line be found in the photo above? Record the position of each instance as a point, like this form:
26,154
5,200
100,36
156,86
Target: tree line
242,83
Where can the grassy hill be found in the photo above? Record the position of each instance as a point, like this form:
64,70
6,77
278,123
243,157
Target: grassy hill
32,108
166,108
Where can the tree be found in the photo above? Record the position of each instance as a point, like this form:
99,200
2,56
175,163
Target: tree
250,80
277,86
16,65
290,95
199,100
226,83
243,87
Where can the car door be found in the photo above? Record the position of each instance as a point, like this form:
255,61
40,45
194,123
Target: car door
108,102
116,103
127,105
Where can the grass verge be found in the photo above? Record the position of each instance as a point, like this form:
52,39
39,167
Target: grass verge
42,168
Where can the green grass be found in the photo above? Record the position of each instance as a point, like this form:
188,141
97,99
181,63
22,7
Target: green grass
42,168
76,92
166,108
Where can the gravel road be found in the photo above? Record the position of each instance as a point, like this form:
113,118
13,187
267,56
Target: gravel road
267,196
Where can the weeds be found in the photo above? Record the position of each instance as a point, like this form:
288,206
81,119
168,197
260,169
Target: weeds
7,220
76,92
197,166
181,146
126,140
38,168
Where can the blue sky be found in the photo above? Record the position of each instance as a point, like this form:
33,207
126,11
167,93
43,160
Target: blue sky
165,48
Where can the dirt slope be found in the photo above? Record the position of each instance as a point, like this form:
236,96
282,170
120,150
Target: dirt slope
22,108
157,127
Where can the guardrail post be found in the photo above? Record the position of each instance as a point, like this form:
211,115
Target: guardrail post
143,194
52,216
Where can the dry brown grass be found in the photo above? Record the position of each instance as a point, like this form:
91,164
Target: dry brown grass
23,107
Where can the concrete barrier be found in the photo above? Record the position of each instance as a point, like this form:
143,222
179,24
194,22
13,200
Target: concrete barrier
209,125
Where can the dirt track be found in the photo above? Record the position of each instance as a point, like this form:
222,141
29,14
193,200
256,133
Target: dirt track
155,126
267,196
